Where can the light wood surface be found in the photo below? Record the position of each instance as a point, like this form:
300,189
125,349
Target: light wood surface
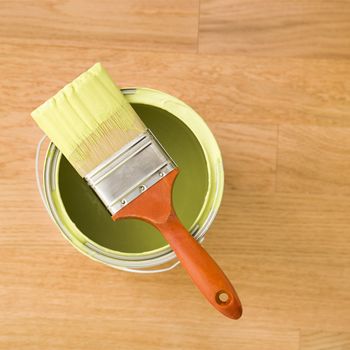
271,78
281,28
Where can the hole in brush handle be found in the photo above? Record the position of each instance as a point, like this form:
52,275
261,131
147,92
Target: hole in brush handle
223,298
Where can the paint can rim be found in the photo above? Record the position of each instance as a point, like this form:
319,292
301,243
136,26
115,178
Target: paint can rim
156,257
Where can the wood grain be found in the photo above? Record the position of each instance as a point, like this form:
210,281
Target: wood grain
292,250
314,160
133,24
319,340
82,304
221,88
272,81
275,28
249,155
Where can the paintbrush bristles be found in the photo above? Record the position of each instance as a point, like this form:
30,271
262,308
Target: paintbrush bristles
89,119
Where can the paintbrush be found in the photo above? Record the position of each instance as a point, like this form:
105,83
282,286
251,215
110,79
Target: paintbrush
104,139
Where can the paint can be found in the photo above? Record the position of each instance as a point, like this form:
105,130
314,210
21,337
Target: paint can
129,244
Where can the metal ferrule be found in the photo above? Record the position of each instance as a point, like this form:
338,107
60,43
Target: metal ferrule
129,172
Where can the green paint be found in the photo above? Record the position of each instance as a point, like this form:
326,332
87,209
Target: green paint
136,236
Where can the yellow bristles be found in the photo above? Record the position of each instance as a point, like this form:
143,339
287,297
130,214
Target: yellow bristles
89,119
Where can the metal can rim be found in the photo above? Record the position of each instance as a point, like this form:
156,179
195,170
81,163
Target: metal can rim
164,254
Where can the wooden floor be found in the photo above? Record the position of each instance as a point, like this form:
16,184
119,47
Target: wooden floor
272,80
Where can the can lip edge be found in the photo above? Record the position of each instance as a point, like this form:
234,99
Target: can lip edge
165,251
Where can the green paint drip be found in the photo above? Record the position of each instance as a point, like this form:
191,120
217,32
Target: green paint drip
130,235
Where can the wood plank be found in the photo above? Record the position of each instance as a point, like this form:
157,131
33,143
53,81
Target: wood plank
221,88
313,160
275,28
320,340
133,24
54,297
286,253
93,334
249,153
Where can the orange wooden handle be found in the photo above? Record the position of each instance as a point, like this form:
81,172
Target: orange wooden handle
155,207
204,271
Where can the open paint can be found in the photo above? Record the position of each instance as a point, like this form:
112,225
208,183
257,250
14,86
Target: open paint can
130,244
